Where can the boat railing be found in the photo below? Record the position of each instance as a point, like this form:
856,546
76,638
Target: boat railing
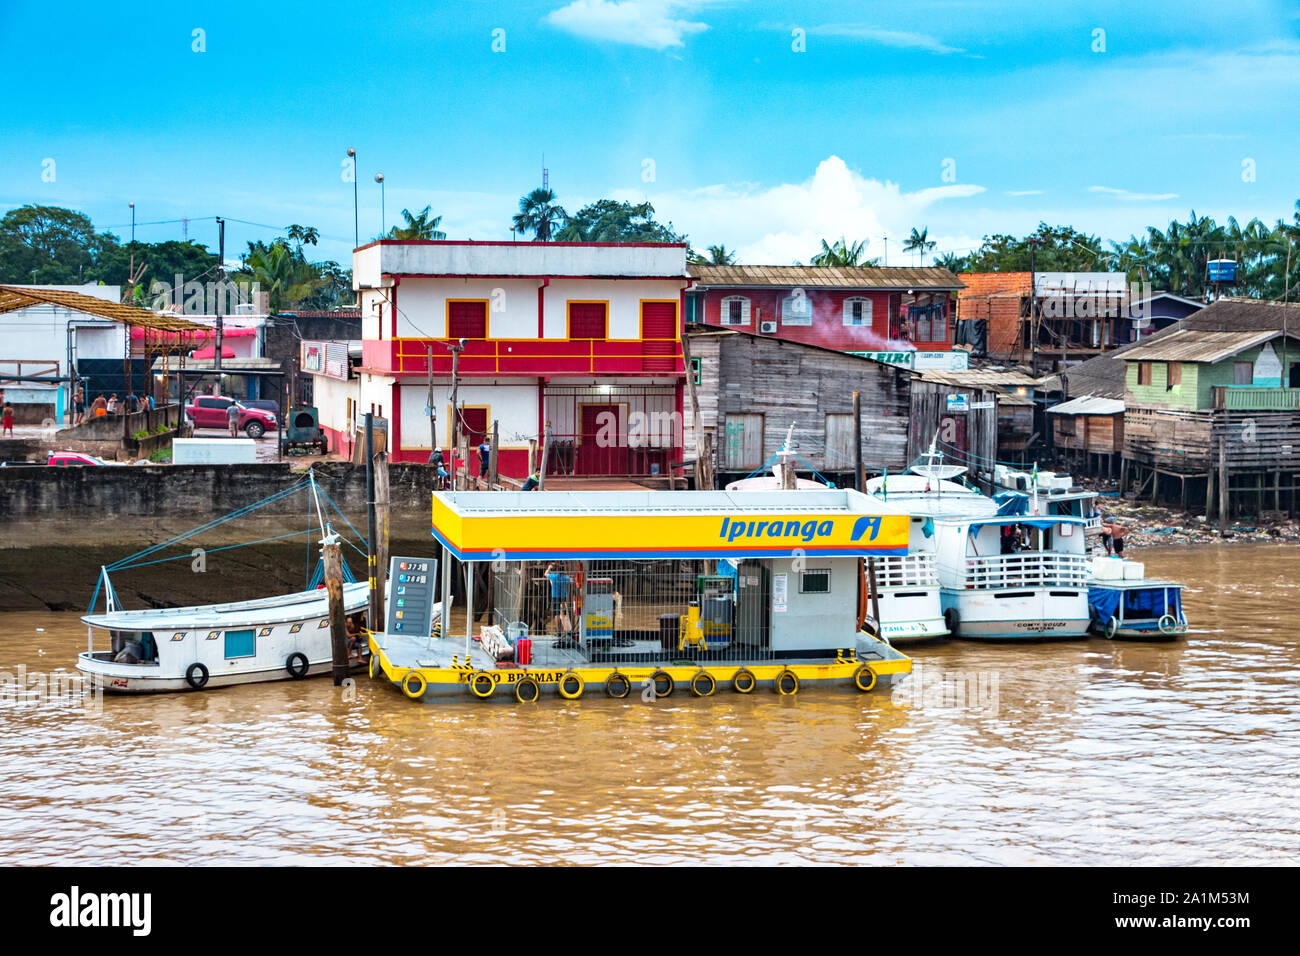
1025,569
906,571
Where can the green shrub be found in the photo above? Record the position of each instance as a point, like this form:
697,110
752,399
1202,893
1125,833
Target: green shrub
162,455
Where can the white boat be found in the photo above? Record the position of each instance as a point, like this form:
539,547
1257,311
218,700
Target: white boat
1049,493
1034,590
1126,605
283,637
911,605
216,645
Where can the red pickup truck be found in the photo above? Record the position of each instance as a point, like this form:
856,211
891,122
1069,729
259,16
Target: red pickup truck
210,411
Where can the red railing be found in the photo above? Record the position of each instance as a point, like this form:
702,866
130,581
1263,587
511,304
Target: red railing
530,356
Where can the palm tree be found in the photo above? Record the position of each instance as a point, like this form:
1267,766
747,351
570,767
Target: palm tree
842,254
303,235
540,214
282,273
919,242
717,256
418,226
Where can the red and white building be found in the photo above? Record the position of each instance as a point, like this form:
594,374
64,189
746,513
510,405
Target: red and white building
867,310
583,338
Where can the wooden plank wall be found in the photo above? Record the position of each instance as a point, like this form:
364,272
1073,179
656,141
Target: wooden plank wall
930,412
1185,442
788,382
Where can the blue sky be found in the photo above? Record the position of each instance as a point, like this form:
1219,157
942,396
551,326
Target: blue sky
967,118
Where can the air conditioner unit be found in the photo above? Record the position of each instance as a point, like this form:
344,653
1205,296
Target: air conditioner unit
767,328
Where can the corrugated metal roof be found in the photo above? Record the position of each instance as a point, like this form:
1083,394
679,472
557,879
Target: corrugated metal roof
1089,405
929,278
1199,345
981,378
1046,283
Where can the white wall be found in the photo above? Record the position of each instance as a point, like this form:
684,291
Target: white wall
512,403
512,305
817,620
514,259
330,396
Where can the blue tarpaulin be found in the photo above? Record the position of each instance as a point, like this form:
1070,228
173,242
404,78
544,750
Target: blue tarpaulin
1141,605
1012,503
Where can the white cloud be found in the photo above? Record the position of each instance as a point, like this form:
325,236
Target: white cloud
647,23
897,38
1024,192
1128,196
781,224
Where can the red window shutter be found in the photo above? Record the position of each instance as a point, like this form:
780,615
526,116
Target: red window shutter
587,320
658,336
467,320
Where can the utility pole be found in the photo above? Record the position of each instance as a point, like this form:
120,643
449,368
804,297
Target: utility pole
221,277
1033,311
857,441
372,536
433,415
356,226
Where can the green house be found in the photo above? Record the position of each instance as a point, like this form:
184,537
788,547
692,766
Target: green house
1203,369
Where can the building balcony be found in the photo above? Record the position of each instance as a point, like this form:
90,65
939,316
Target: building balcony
543,357
1256,399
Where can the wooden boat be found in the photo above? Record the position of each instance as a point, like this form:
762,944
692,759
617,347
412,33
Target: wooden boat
284,637
1124,604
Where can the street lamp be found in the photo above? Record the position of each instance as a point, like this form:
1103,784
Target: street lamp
383,217
132,205
356,228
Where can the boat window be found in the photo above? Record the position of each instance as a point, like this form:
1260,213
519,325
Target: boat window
815,581
241,643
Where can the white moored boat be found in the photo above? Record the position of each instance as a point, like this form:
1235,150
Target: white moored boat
216,645
1003,587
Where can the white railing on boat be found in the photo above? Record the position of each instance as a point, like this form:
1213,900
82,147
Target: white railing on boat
906,571
1026,569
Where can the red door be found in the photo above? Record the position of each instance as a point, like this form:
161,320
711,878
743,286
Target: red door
658,336
474,429
603,448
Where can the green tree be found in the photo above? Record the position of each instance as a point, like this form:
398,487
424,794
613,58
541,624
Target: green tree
49,245
539,214
843,254
608,220
919,241
717,256
281,272
418,226
303,235
162,261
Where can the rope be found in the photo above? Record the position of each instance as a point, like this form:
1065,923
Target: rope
245,544
176,539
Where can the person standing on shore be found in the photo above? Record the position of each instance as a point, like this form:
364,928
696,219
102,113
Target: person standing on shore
232,416
79,405
7,420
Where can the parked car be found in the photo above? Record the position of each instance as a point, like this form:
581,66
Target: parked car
265,404
209,411
65,458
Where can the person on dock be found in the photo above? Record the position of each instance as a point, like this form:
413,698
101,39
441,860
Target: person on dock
559,582
1112,536
484,458
79,405
534,481
7,420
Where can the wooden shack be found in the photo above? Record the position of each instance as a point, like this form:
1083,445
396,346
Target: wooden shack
962,422
752,388
1090,432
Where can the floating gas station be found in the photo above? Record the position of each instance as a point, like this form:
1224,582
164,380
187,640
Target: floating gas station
610,591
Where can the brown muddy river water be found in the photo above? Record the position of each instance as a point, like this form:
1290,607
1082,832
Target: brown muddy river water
1088,752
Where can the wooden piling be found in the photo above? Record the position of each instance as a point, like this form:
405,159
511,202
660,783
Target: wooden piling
1224,478
381,531
857,441
338,625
